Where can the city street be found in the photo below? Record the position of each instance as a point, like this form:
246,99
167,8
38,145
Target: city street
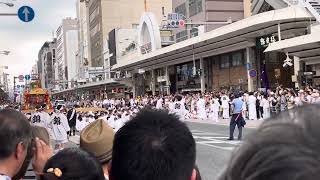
213,148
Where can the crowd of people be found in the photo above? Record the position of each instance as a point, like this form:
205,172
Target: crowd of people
157,145
146,138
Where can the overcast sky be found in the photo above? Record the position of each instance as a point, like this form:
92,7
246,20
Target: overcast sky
25,39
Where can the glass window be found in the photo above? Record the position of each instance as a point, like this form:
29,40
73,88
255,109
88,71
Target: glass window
181,36
224,61
194,32
195,7
181,9
237,59
135,26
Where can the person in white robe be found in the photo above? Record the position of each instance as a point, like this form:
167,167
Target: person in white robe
40,117
225,106
201,108
159,103
214,109
118,123
179,108
60,127
265,104
81,124
252,100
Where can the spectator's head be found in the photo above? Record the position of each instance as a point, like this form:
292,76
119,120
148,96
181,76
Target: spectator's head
72,163
15,139
285,148
153,145
42,134
97,138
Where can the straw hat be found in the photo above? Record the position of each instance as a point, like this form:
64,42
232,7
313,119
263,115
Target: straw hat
97,138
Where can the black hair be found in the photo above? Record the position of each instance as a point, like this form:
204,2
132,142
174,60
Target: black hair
14,128
153,145
74,163
286,147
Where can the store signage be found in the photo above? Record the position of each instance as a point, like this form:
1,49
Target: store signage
162,78
277,73
265,41
309,73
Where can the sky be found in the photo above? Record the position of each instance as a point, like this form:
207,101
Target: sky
24,40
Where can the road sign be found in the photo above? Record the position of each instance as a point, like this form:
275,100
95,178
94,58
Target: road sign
21,78
27,77
34,77
26,13
18,86
248,66
253,73
22,86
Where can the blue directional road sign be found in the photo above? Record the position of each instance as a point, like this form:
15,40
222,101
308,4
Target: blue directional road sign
27,77
26,13
18,86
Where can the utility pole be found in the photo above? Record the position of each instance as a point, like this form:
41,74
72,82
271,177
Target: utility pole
14,89
145,6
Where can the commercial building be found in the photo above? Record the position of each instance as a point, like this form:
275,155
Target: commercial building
46,61
248,54
104,16
303,51
83,54
67,48
229,57
205,15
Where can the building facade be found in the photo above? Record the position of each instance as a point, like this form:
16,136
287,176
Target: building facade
205,15
45,64
230,57
83,54
105,16
67,48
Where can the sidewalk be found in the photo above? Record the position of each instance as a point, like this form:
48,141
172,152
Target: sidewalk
226,122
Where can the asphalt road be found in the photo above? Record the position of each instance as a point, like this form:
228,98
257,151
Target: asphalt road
213,149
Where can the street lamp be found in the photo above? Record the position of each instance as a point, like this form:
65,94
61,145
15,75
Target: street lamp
8,4
5,52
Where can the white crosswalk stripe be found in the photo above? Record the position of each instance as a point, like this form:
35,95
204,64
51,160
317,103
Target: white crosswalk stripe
204,138
214,140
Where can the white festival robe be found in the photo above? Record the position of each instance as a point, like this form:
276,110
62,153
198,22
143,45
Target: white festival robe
252,107
201,109
214,109
225,106
60,127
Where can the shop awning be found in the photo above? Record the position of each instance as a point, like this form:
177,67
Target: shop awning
306,47
232,37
